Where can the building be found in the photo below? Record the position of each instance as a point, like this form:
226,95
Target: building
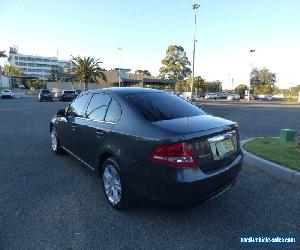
38,67
128,79
116,76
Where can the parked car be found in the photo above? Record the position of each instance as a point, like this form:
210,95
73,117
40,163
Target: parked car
211,96
78,91
268,98
67,95
187,96
150,143
278,97
7,94
45,95
261,97
252,97
221,96
171,92
56,94
233,97
21,86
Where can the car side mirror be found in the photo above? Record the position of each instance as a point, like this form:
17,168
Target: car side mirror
61,113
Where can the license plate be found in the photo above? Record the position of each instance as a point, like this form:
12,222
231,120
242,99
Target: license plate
224,147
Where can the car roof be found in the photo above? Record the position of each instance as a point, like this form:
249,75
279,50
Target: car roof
126,90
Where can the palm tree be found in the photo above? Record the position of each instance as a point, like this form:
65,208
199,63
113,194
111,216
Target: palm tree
2,53
11,70
87,70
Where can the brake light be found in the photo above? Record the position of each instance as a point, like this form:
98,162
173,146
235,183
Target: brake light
175,155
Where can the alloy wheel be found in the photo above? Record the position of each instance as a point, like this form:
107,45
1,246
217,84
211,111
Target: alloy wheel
112,184
53,136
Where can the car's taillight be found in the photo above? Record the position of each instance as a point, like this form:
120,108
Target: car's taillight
175,155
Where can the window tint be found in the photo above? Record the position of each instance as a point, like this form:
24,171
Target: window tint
68,92
77,107
45,91
98,106
114,111
162,106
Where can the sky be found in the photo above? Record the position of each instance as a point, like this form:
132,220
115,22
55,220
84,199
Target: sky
226,31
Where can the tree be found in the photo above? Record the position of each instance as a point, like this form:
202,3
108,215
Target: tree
262,81
58,73
55,70
240,89
199,84
87,70
262,77
176,65
37,84
143,72
182,86
265,89
215,86
11,70
2,53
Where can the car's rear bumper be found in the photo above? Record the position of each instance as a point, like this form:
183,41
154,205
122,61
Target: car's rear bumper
46,98
181,186
66,98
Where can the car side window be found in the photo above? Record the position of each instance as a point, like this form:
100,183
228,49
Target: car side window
114,111
77,107
98,106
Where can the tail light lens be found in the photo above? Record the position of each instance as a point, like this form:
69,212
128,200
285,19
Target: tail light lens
175,155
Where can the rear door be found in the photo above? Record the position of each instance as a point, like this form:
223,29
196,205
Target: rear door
99,119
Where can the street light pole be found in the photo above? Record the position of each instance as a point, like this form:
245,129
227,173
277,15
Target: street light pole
195,7
119,67
251,51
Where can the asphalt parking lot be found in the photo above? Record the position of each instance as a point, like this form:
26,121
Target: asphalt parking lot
54,202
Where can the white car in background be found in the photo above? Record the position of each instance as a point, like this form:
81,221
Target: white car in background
233,97
56,94
187,96
269,98
278,96
7,94
211,96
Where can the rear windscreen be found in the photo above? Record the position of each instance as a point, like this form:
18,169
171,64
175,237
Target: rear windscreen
45,91
159,106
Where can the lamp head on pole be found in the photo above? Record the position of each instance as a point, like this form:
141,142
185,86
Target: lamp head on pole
195,6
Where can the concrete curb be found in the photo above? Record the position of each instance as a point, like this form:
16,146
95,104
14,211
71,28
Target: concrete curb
272,168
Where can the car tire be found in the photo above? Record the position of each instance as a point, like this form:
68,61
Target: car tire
55,144
114,186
